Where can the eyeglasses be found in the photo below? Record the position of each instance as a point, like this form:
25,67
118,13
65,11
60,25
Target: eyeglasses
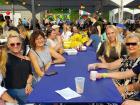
15,44
132,44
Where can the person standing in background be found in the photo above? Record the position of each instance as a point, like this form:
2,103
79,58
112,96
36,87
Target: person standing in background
95,32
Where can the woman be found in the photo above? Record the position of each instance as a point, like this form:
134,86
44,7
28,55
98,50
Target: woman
3,59
66,32
25,38
95,32
124,63
7,23
132,87
18,79
41,56
112,49
53,41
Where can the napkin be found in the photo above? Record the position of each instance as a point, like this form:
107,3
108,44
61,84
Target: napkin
68,93
60,65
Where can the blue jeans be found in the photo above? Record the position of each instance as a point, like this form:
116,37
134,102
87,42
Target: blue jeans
19,95
95,41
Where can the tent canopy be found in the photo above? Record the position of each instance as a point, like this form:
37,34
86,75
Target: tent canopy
133,4
90,5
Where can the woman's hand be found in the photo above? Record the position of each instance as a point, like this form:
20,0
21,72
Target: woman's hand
28,88
99,76
131,102
15,102
92,66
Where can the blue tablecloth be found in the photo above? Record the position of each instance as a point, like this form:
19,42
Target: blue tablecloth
102,90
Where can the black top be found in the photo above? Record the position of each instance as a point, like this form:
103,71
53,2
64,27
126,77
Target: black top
25,42
18,71
113,53
136,69
94,29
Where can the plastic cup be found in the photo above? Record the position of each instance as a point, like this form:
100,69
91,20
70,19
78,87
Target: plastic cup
79,82
93,75
8,103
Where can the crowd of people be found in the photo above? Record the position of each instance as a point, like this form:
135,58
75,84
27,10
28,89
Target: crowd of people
27,54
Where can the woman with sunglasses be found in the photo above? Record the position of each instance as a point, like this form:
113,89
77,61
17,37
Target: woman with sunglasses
124,75
112,49
124,63
41,56
4,96
18,78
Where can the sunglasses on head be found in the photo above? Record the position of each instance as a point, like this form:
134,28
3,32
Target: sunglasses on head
15,44
132,44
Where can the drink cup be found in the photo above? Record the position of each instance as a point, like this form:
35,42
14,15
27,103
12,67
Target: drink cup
93,75
8,103
79,82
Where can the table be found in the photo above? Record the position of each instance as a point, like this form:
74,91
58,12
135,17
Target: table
102,90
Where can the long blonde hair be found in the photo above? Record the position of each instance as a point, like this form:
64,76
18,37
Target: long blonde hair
3,60
117,43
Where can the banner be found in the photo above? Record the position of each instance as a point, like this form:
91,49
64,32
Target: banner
82,12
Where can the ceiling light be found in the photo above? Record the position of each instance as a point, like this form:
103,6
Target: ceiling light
6,2
39,4
23,2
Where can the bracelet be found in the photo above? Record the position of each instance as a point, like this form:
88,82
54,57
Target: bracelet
104,75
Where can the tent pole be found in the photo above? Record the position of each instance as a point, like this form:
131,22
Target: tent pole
33,13
13,10
133,15
121,11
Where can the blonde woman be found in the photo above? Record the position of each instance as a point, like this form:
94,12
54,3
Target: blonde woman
112,49
18,78
3,59
123,64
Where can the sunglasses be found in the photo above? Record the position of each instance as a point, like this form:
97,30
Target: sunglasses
132,44
15,44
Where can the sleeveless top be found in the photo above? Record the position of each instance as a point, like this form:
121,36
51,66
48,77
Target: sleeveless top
17,72
51,43
43,57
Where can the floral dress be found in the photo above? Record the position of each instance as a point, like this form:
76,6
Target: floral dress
125,65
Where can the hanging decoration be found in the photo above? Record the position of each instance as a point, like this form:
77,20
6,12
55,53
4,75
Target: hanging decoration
8,13
82,12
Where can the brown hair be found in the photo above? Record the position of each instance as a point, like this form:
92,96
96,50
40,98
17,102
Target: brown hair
33,37
49,31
